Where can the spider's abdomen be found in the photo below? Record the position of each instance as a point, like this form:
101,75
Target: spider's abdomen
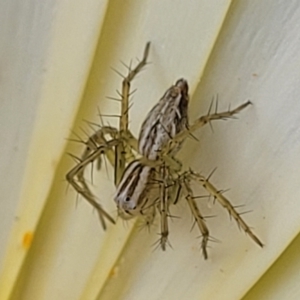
166,119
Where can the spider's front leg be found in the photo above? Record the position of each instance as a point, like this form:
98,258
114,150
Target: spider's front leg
128,140
200,122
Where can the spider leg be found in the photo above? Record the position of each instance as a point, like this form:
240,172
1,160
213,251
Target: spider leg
116,144
163,208
184,182
200,122
80,185
126,88
98,139
225,203
130,140
94,144
120,150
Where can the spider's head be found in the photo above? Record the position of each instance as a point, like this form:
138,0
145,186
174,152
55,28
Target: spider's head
131,195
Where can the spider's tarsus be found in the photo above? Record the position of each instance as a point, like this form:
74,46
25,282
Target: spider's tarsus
146,51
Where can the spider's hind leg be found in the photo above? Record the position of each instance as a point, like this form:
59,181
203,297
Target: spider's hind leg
184,182
225,203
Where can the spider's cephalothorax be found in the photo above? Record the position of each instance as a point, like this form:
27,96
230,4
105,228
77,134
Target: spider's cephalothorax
154,181
137,191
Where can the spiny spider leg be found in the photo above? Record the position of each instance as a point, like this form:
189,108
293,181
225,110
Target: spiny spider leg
82,189
200,122
98,138
120,151
191,175
163,207
116,149
196,214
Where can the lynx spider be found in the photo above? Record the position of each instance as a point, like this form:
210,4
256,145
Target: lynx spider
154,181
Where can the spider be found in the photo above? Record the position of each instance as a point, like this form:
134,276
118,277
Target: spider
147,174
